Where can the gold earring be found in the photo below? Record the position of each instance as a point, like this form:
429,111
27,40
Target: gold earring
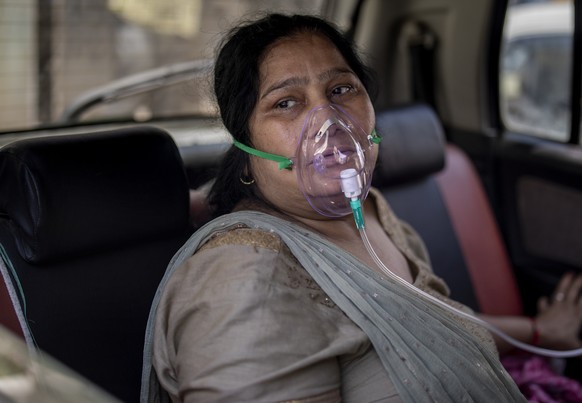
247,182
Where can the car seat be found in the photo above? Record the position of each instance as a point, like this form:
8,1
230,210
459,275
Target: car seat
88,224
434,187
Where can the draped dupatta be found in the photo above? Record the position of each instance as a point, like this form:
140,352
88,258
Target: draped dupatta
428,354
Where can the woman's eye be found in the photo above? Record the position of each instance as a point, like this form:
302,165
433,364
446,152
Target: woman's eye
286,104
342,89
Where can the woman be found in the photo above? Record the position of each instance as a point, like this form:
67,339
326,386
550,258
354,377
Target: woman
281,300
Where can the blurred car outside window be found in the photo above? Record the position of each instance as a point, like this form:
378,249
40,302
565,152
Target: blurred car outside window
535,68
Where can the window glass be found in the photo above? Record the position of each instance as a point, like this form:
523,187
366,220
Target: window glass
535,68
56,51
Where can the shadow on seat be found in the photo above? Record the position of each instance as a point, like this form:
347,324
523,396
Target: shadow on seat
434,187
88,224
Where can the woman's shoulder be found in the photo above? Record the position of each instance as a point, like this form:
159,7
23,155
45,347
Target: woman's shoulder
243,236
240,259
235,256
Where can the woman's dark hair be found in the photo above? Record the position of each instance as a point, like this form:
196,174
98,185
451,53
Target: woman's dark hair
236,86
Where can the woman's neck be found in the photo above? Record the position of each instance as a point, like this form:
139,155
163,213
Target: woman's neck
340,229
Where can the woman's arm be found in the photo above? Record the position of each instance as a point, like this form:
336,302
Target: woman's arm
521,328
234,325
557,324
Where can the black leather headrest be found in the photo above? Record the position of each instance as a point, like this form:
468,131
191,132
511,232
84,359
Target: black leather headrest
412,144
66,196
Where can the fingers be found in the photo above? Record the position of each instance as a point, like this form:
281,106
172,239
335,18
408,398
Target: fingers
563,287
568,289
573,293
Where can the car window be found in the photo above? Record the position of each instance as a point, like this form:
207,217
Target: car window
535,68
59,55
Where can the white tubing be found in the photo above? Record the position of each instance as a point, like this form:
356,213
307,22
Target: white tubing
524,346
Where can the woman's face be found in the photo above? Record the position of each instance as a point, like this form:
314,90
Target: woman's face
297,74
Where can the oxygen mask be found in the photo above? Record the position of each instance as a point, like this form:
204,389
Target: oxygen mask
331,142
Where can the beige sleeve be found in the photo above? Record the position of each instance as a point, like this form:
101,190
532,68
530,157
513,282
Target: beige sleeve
234,325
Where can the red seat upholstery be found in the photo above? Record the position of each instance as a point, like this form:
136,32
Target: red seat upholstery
479,235
8,317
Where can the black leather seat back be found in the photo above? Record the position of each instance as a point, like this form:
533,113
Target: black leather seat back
88,224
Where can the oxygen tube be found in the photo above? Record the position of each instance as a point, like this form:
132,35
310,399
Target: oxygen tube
352,190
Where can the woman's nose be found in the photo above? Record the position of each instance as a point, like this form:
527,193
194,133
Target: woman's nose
324,127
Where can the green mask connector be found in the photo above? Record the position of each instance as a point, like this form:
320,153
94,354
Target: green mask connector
374,138
356,206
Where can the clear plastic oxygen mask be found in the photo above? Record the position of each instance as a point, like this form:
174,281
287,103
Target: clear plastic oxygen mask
333,146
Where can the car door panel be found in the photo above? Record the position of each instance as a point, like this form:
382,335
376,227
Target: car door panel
540,193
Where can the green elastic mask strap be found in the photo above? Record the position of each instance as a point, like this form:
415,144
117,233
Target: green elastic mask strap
374,138
284,162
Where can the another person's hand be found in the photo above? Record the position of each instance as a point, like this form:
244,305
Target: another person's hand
560,317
